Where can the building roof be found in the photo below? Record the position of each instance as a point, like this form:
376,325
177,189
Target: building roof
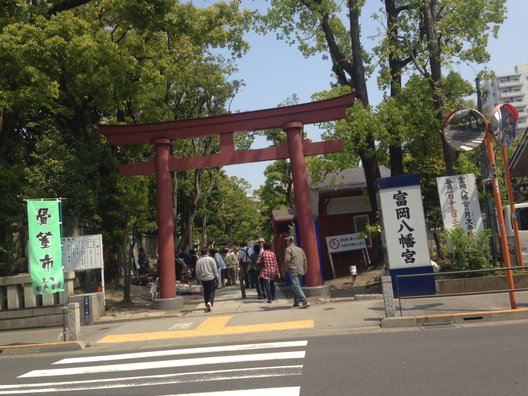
283,215
350,178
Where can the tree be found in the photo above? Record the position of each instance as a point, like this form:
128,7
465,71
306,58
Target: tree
276,192
450,31
234,217
67,68
296,19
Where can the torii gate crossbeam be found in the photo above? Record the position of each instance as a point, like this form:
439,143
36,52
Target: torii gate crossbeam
290,118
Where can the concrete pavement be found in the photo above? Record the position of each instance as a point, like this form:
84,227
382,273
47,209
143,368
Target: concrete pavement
235,317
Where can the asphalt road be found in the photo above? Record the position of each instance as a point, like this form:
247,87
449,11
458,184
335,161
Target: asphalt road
484,359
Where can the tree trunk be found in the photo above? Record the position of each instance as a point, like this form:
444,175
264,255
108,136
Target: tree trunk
368,156
128,257
435,79
204,220
175,207
396,66
187,235
358,71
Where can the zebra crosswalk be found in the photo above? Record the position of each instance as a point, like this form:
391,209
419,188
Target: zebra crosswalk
192,369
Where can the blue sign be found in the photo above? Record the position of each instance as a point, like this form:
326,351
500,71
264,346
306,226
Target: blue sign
86,306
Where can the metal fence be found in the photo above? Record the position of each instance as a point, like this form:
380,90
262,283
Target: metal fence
458,275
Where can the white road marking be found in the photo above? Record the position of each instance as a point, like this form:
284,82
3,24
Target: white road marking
286,391
164,364
153,380
181,326
185,351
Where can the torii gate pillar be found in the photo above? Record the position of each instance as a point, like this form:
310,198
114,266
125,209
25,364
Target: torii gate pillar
166,269
303,204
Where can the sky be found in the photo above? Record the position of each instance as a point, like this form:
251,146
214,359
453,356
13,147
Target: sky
272,71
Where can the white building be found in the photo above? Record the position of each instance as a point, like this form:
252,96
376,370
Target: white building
509,88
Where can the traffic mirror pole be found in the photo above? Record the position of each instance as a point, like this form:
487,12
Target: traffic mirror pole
515,222
500,219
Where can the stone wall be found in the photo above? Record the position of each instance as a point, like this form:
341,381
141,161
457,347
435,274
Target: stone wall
480,284
21,309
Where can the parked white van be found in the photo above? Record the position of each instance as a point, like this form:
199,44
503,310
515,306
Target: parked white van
521,212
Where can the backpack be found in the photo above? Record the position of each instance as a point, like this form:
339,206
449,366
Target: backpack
245,257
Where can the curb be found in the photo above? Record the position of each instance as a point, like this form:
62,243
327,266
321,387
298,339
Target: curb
161,314
44,347
454,318
357,297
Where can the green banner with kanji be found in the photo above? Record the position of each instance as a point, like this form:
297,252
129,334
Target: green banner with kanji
45,250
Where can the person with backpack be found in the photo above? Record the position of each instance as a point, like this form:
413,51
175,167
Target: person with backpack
243,256
254,271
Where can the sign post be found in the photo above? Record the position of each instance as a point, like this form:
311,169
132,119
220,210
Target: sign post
346,243
45,256
82,253
404,233
459,202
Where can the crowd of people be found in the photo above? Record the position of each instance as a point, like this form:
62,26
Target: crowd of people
256,267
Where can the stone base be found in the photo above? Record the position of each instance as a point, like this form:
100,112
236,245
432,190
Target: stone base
168,304
316,291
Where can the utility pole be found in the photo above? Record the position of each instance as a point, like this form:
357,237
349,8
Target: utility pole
484,170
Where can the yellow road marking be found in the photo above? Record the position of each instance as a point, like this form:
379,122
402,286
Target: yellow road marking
209,327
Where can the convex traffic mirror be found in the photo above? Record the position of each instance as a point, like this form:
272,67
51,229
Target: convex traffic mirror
464,129
504,124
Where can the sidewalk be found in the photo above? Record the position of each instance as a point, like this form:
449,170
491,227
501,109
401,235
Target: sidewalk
344,314
228,302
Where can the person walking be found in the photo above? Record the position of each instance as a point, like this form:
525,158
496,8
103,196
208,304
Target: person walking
220,265
143,261
232,266
295,265
270,271
261,242
254,271
207,274
243,256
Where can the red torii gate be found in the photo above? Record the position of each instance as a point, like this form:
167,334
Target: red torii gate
290,118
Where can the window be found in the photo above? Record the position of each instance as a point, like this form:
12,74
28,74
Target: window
522,218
360,224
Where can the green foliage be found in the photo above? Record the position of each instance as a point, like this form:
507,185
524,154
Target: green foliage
466,251
106,61
233,218
276,192
351,135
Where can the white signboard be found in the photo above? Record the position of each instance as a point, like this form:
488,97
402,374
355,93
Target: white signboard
345,243
82,252
403,222
459,202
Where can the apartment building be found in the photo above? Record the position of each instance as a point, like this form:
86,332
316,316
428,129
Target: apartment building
509,88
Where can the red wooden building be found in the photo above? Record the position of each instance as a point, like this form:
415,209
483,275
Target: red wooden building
341,207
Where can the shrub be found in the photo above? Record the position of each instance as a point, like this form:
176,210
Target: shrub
467,251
